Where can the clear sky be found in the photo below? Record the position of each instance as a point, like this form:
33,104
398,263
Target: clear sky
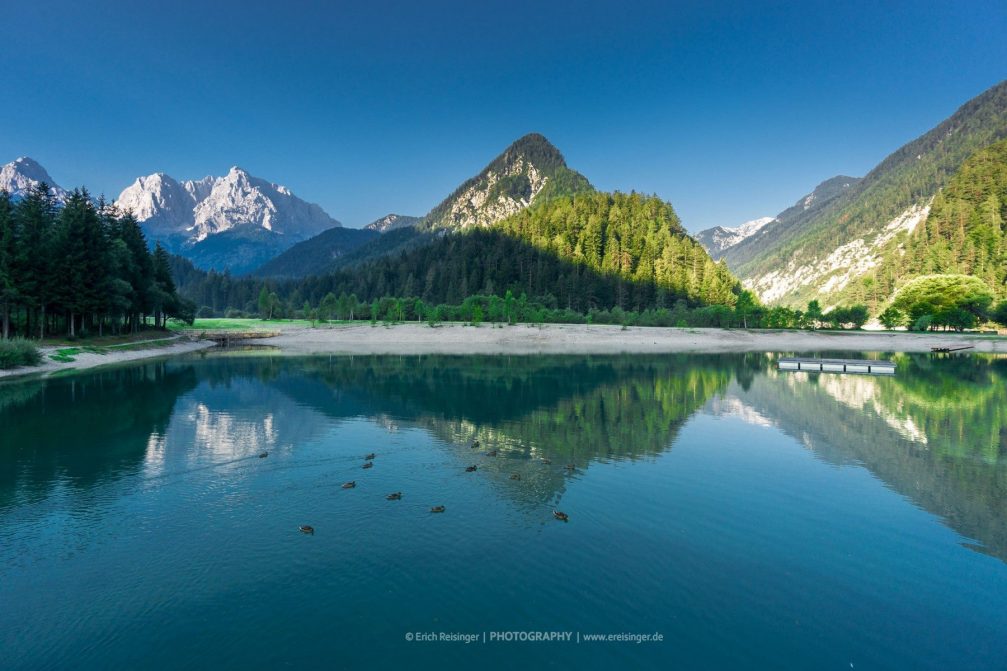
729,110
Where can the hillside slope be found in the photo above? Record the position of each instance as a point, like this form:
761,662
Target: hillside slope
820,254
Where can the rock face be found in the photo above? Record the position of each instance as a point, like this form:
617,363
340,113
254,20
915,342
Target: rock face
260,217
19,176
392,222
529,170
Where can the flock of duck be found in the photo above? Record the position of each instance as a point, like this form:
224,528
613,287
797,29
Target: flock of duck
397,496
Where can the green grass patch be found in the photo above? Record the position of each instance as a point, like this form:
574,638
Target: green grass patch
224,323
18,352
70,354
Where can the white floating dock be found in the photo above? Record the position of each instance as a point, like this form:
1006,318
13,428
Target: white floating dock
862,366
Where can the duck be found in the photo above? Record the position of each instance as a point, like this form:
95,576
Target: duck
394,496
546,461
515,476
561,516
305,529
491,453
369,464
438,509
350,485
263,455
475,444
571,467
471,469
370,457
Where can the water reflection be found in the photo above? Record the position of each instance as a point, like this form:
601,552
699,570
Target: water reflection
936,432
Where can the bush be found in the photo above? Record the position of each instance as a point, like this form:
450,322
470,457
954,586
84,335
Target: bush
18,352
923,323
892,317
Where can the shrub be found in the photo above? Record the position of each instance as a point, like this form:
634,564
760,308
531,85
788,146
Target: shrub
18,352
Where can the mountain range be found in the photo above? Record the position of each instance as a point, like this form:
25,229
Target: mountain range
849,240
235,222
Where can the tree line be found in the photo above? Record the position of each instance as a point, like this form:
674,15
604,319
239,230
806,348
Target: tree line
79,267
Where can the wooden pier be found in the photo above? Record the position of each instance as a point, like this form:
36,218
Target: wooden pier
951,348
861,366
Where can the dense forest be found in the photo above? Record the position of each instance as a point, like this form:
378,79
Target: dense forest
582,252
79,267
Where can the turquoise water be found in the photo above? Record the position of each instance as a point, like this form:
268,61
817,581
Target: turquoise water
750,518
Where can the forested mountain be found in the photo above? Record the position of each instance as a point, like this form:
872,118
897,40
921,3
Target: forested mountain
530,170
591,250
78,266
826,251
235,222
317,255
964,234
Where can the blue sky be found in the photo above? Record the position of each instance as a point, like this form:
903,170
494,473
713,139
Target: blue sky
728,110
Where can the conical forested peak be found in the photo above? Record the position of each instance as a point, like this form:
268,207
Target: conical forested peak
531,169
536,149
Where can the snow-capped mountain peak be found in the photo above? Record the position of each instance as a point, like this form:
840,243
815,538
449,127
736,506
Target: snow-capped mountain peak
719,238
20,175
182,214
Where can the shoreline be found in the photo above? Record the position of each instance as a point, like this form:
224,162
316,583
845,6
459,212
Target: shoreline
407,339
523,339
85,360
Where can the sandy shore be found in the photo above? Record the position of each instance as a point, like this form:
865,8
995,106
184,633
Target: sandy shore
91,360
599,339
405,339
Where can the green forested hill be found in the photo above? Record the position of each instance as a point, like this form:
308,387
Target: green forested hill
965,232
790,263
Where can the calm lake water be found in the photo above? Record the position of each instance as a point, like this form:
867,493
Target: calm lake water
754,519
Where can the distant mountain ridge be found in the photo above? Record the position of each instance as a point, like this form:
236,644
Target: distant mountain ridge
727,242
319,254
391,222
257,219
719,238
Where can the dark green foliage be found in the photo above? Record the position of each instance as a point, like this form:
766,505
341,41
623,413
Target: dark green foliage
18,352
953,301
78,268
999,314
841,317
318,255
892,317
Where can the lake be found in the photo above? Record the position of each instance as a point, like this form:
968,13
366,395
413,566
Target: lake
745,517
